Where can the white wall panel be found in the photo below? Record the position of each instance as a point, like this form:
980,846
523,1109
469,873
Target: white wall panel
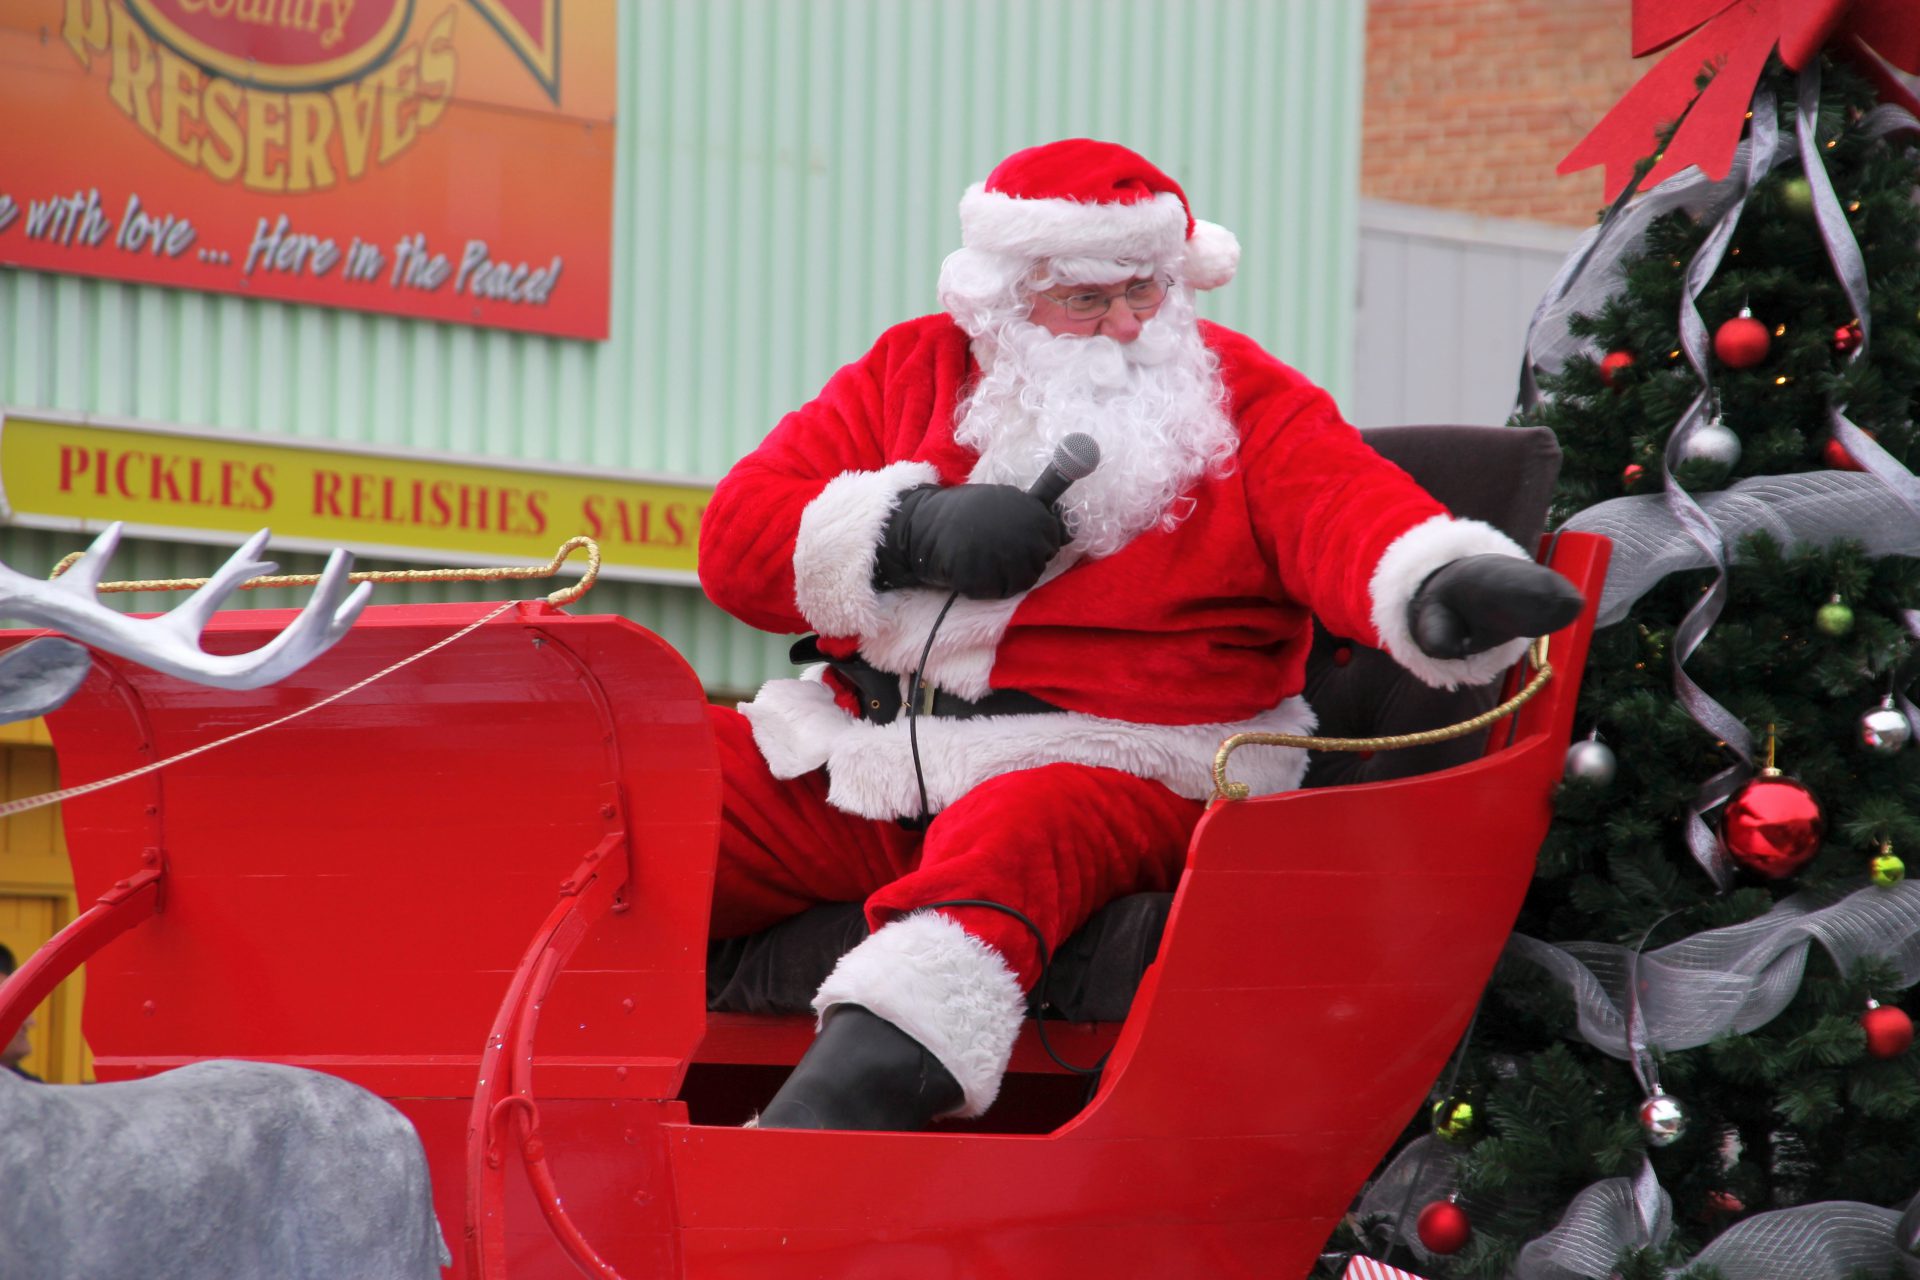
1444,301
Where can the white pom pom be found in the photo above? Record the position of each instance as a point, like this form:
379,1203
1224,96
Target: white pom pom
1213,254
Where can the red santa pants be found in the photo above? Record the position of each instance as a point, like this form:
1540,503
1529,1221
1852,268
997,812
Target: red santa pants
1055,843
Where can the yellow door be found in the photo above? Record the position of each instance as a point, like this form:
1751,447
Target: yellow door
36,897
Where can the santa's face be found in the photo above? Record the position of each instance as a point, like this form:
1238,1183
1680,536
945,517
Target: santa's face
1086,311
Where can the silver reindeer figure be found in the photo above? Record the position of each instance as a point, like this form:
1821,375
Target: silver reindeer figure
38,677
219,1170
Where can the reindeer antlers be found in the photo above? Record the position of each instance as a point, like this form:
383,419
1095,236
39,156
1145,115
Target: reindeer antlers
171,642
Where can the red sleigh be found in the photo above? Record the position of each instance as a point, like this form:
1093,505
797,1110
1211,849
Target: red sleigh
479,887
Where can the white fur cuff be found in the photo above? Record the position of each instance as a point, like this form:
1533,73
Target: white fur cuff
839,542
794,722
872,771
945,988
1413,556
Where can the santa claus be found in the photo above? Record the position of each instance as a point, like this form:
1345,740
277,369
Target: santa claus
1015,704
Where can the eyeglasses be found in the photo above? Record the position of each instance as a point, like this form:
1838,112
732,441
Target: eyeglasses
1090,304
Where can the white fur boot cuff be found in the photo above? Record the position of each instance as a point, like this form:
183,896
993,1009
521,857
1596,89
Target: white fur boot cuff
945,988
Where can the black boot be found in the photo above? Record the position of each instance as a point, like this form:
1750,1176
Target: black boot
862,1072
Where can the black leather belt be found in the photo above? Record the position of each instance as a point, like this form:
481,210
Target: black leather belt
879,691
1001,702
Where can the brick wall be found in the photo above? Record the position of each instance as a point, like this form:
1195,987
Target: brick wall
1470,104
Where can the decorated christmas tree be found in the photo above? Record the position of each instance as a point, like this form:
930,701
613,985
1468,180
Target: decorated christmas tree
1693,1059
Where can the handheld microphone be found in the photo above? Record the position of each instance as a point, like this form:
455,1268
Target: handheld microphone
1077,455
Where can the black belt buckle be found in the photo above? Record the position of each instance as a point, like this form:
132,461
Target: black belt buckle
878,691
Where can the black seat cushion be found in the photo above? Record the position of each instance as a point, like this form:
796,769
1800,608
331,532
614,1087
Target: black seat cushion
1092,978
1501,475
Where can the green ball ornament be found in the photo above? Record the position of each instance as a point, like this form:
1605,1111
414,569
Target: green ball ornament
1886,870
1797,195
1452,1119
1835,618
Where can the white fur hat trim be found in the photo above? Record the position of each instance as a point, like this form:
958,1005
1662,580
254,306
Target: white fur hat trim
1153,230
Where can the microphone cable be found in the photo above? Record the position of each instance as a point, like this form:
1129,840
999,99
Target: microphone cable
913,712
1075,458
1077,455
1040,989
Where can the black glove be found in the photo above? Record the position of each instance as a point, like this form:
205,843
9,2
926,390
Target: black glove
986,541
1472,604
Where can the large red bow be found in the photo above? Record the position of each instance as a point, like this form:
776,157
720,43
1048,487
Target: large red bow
1734,37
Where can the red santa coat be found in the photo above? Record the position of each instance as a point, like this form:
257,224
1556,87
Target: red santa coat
1157,652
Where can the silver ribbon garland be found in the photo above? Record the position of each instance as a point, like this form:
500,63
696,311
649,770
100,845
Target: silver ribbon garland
1763,138
1734,979
1831,1240
1811,508
1843,251
1602,1220
1912,618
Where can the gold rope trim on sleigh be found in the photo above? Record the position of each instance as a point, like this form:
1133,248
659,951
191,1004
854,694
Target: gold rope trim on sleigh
565,595
1224,790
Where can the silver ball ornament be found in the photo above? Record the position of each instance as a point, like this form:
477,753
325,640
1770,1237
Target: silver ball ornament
1712,443
1884,730
1592,761
1662,1119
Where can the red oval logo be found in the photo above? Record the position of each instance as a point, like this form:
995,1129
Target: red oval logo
278,44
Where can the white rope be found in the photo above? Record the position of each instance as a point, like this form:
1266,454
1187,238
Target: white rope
12,807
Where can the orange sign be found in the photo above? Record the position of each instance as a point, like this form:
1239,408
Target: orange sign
443,159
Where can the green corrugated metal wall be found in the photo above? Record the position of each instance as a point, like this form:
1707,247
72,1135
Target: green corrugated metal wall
786,184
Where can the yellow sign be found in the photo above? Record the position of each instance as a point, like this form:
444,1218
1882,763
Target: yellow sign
170,482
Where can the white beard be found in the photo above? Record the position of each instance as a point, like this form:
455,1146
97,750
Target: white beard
1155,406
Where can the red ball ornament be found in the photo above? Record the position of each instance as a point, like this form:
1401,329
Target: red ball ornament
1835,455
1847,337
1773,825
1630,475
1443,1227
1741,342
1612,365
1889,1030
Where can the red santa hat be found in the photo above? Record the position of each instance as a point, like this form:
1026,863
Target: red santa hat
1080,198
